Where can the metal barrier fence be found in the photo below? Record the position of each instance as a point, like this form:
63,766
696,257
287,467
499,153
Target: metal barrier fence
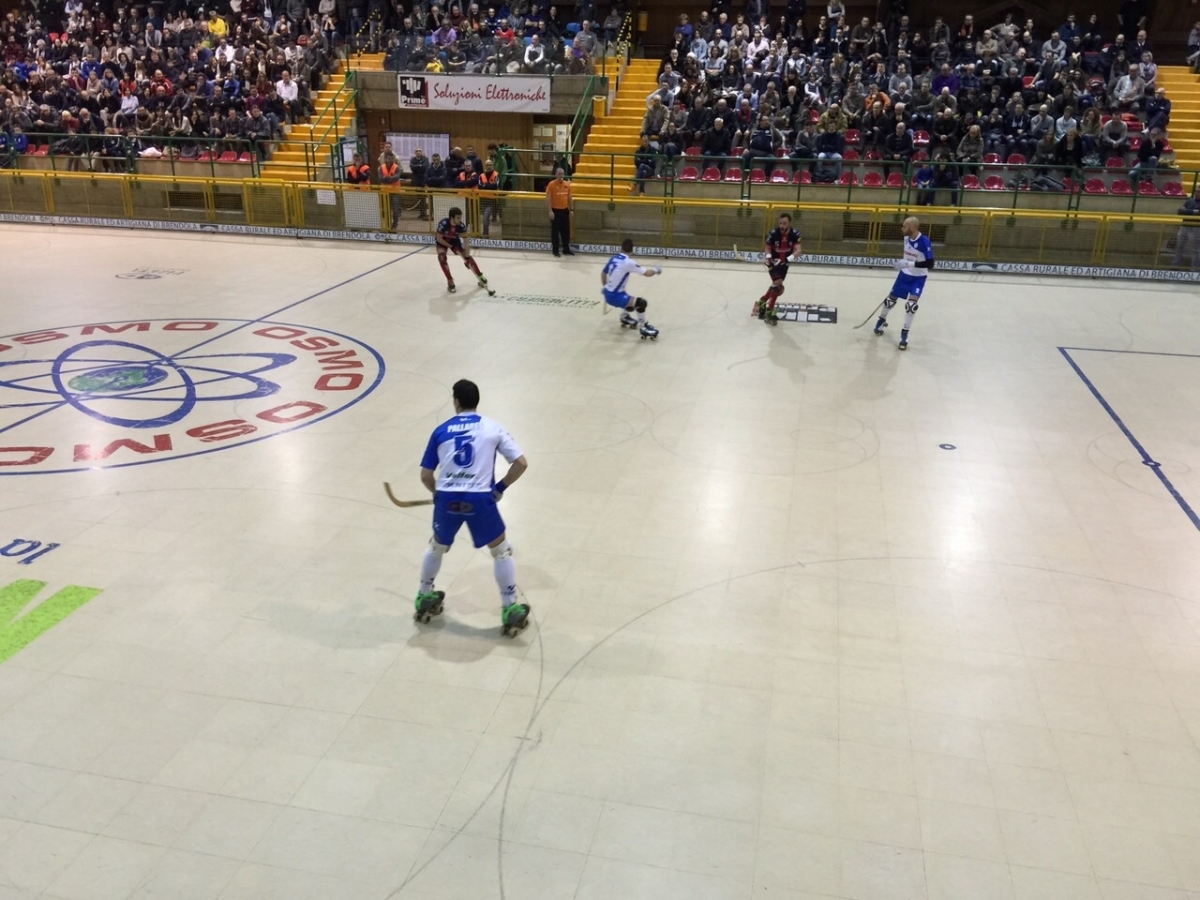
1060,238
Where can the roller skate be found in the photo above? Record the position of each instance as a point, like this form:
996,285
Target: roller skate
903,339
759,309
648,331
428,606
628,321
450,287
514,619
483,284
880,325
771,317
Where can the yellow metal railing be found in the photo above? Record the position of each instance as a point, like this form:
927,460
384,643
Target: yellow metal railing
1049,237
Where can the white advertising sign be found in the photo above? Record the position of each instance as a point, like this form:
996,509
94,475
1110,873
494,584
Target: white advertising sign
475,93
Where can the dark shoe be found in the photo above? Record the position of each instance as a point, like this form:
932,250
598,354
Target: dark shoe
556,253
568,253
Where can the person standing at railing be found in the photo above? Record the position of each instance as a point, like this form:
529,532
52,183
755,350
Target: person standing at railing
389,177
418,167
489,184
561,206
1187,239
358,173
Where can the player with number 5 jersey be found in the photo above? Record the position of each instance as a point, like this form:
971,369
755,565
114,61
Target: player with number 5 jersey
459,469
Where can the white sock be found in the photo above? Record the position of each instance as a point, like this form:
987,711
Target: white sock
908,317
506,577
431,564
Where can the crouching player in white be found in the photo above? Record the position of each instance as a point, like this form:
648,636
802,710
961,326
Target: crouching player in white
462,452
614,276
910,283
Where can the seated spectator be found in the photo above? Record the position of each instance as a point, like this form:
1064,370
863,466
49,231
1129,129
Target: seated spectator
970,148
717,144
535,57
804,150
1149,156
1158,110
898,148
1045,152
763,141
1089,134
1064,123
830,145
654,121
1129,92
1114,137
1070,152
645,160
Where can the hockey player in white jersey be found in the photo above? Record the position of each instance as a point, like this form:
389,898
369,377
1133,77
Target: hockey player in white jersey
614,277
459,469
913,270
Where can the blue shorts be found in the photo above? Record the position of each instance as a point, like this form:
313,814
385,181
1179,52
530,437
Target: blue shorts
619,299
452,508
908,285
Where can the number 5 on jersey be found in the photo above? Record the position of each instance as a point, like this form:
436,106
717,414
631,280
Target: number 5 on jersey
464,452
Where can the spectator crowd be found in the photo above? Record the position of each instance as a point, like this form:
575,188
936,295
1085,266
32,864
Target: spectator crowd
104,82
747,90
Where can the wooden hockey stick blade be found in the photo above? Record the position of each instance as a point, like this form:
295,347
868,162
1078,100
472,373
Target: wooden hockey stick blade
405,504
868,318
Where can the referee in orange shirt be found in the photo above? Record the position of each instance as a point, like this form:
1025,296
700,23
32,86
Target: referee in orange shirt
562,206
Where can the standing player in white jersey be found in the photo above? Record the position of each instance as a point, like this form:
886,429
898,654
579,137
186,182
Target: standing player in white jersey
910,283
459,469
614,276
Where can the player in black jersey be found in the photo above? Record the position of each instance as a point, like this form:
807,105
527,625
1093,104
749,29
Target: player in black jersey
782,247
452,238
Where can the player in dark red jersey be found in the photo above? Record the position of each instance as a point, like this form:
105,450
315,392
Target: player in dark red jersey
782,247
451,237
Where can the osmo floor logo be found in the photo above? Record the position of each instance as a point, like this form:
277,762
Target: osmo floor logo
127,393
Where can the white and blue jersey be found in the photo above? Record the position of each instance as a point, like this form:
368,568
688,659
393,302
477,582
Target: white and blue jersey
463,452
911,283
616,274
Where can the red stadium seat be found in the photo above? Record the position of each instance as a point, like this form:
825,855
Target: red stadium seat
780,176
1133,123
848,179
920,156
1121,188
693,152
712,173
39,150
689,173
246,157
851,155
1094,186
1115,162
991,159
853,136
229,156
758,176
921,139
204,156
874,156
1027,81
873,179
971,182
895,180
993,183
1016,159
780,153
1172,189
1135,143
1147,189
734,174
802,177
737,151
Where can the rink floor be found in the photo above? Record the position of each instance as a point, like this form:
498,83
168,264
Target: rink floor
812,617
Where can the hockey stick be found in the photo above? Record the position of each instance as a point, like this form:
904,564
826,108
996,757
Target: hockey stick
405,504
757,259
868,318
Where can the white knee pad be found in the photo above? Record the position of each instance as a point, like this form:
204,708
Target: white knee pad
439,549
503,550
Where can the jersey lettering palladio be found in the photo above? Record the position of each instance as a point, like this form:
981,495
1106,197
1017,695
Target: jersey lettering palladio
617,272
463,451
916,250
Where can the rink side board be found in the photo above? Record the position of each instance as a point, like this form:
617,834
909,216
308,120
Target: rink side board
856,262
